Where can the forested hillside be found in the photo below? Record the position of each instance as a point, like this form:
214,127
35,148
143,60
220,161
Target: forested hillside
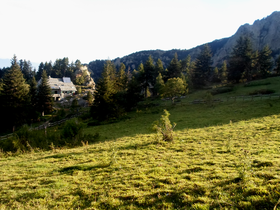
262,32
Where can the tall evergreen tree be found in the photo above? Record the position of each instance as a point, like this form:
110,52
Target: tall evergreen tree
14,96
33,98
159,67
174,68
105,105
159,86
44,95
264,62
202,69
40,71
223,72
122,78
240,61
150,74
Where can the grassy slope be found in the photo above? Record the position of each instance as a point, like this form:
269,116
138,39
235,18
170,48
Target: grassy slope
226,156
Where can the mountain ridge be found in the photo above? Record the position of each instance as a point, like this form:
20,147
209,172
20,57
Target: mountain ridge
262,32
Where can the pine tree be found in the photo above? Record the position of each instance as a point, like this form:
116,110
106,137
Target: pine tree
174,68
202,69
105,105
14,96
122,78
149,75
264,62
44,95
40,71
33,98
223,73
159,86
240,61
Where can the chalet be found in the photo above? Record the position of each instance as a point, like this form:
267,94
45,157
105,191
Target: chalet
61,87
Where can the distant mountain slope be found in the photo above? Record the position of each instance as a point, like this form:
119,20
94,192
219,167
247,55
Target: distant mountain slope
262,32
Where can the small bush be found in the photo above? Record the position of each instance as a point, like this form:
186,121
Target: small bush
72,129
164,128
262,92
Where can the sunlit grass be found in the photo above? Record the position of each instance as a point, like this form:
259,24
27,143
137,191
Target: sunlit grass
222,157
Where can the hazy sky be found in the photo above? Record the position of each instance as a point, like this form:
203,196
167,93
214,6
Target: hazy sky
44,30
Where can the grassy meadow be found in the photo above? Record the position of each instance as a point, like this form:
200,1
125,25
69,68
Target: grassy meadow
224,156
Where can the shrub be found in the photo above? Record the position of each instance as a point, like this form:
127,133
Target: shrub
164,128
72,129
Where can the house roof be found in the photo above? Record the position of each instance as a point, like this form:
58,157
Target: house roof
64,84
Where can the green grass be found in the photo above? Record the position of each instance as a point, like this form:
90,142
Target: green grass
223,157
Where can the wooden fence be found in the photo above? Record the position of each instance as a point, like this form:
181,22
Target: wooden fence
45,125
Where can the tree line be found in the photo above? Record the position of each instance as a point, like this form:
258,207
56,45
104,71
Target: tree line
119,90
22,101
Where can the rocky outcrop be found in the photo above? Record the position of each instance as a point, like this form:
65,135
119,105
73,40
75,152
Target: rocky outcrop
88,80
262,32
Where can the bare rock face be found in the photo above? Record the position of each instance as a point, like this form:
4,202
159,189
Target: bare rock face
83,72
262,32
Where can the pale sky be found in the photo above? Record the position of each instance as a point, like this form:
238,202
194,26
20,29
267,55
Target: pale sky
44,30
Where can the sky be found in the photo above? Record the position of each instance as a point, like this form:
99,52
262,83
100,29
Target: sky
46,30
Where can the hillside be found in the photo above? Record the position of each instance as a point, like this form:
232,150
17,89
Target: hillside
224,156
262,32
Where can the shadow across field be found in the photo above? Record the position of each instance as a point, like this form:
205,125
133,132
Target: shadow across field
190,116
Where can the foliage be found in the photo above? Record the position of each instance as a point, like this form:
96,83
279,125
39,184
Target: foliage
44,95
223,73
202,67
164,128
264,62
201,169
174,87
72,129
14,96
240,60
159,85
174,68
89,98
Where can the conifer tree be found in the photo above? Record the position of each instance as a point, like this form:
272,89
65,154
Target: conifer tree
105,105
240,61
159,86
122,78
174,68
33,98
202,67
14,96
159,67
264,62
44,95
223,73
149,75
